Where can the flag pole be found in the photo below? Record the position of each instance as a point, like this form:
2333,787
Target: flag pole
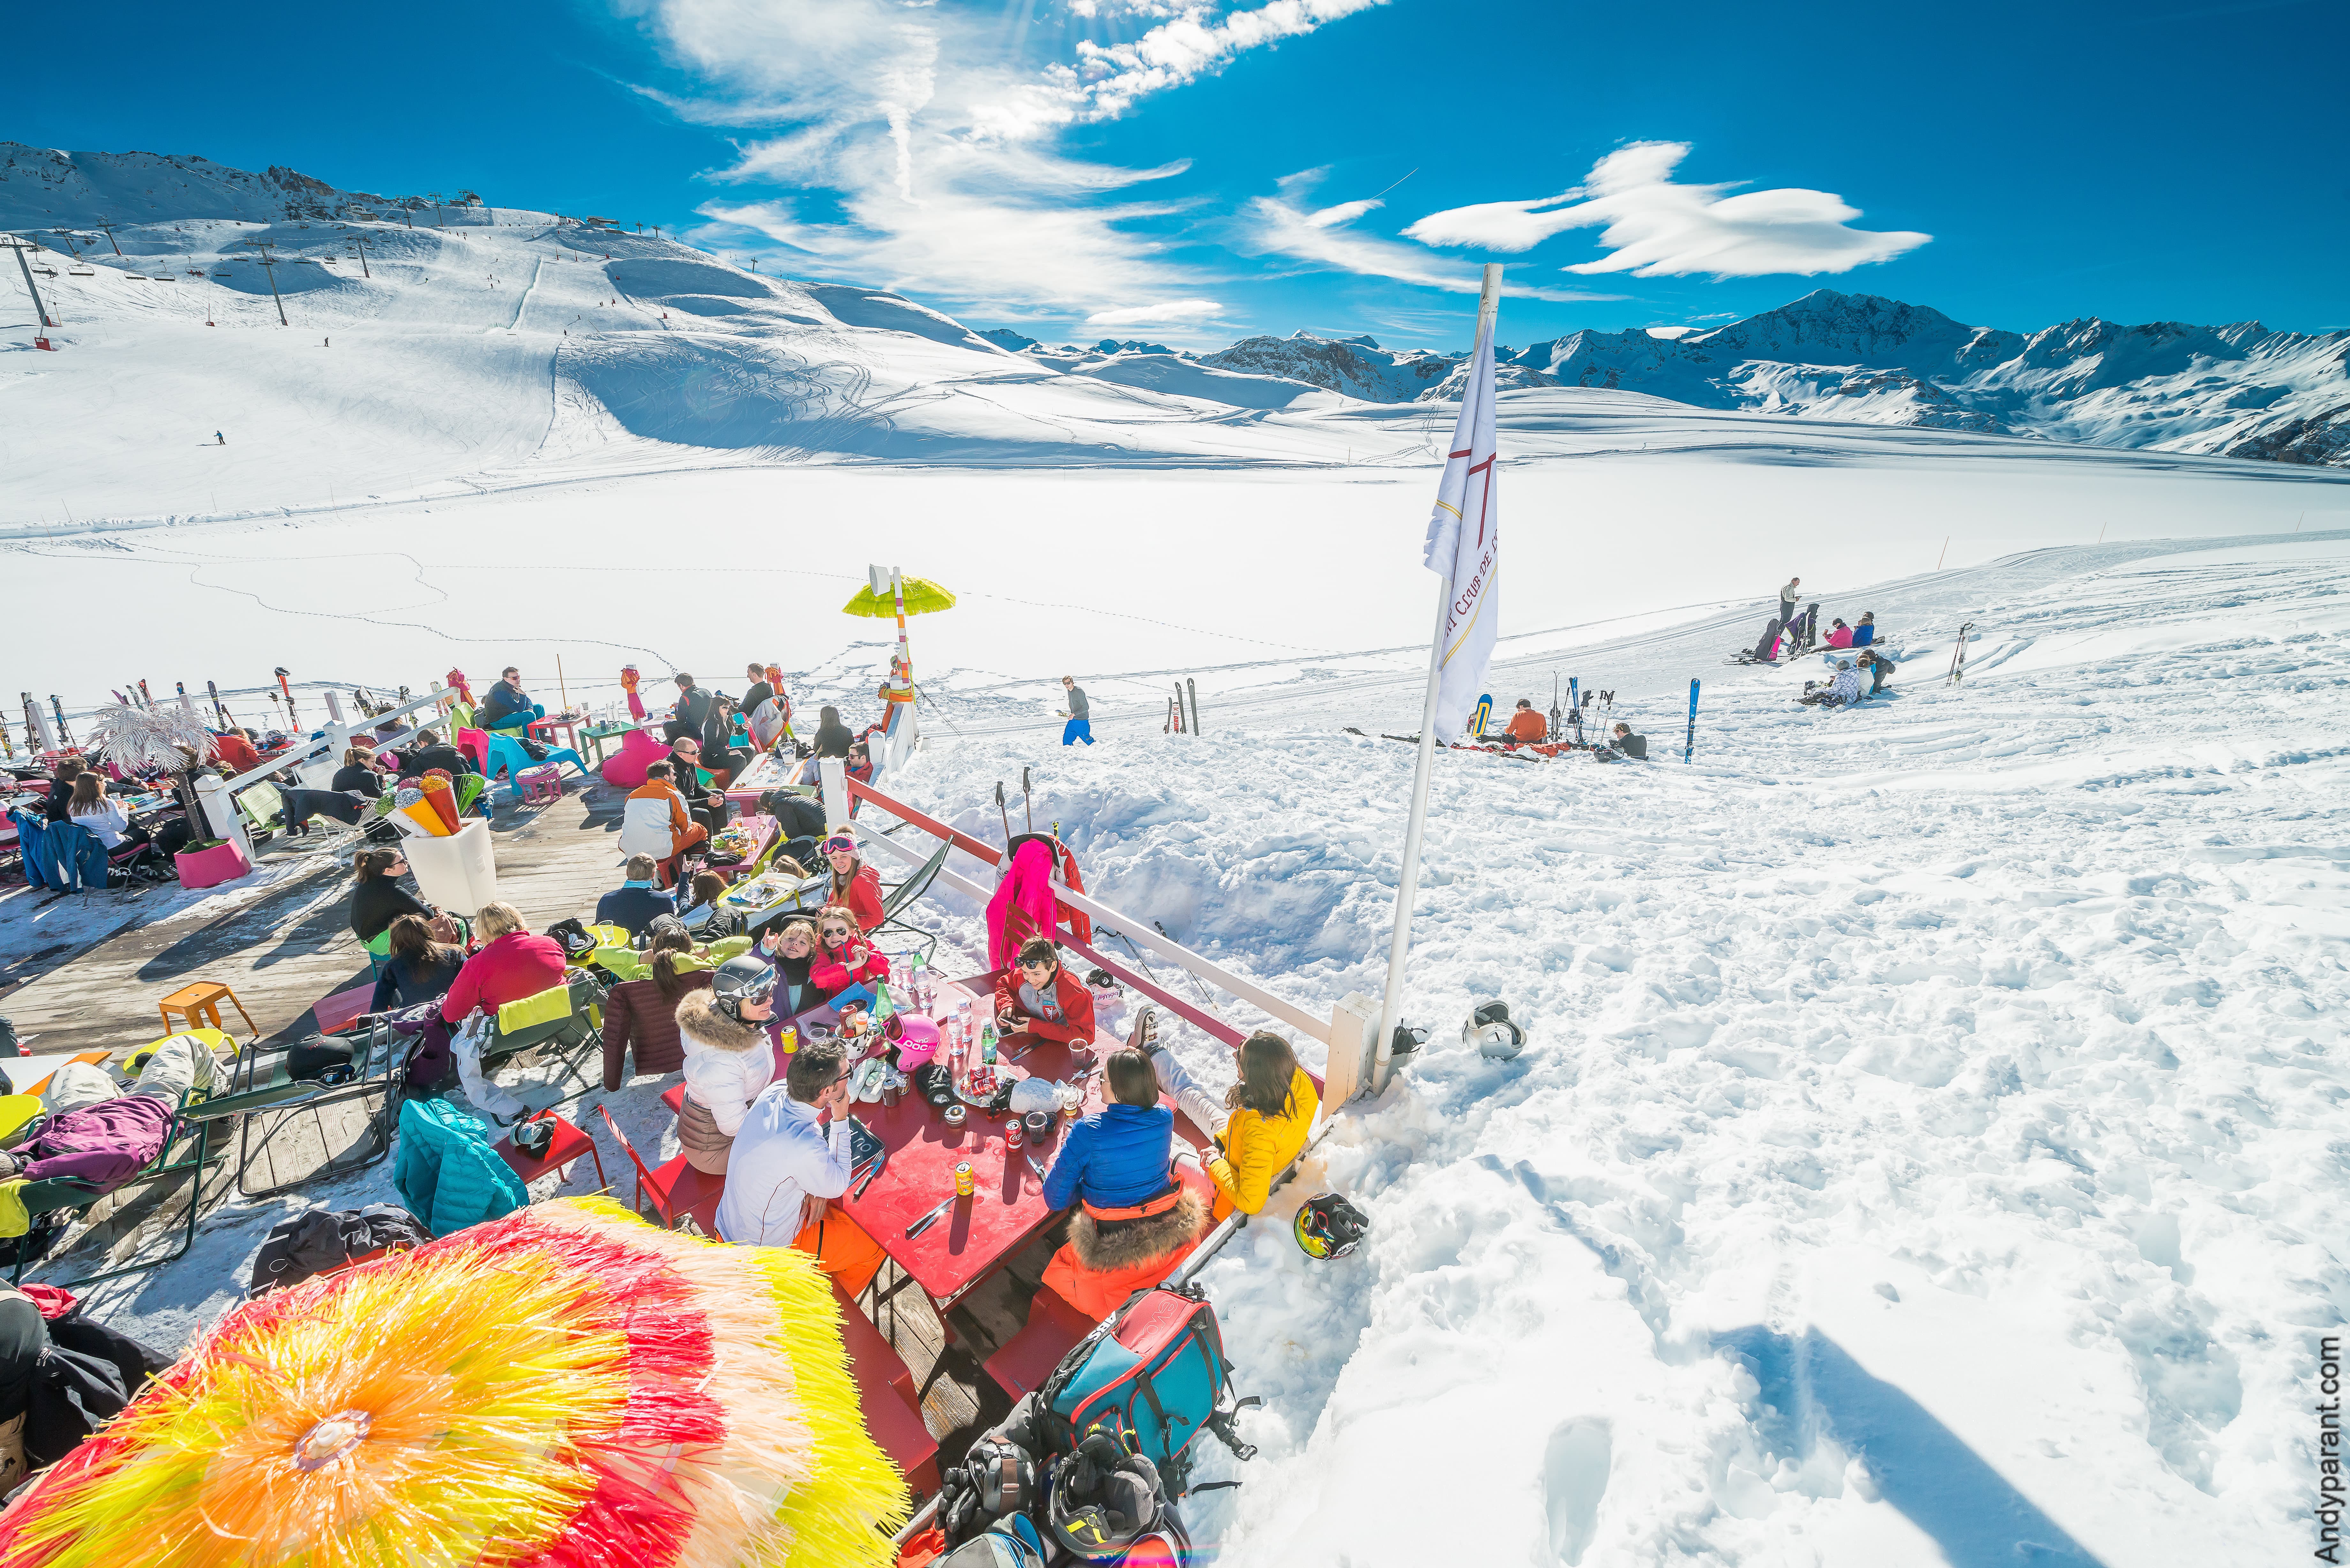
1489,304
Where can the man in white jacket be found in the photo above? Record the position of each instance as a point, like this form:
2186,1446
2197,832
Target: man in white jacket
786,1165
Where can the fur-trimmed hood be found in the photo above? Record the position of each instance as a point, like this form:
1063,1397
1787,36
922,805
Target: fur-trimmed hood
699,1019
1109,1245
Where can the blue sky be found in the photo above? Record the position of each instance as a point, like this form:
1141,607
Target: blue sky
1191,173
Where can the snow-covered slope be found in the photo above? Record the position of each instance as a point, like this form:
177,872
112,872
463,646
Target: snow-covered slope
1357,367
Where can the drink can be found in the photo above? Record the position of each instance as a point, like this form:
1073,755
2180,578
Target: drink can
1012,1135
789,1039
965,1185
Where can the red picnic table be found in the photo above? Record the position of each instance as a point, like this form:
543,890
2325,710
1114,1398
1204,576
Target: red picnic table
762,830
979,1234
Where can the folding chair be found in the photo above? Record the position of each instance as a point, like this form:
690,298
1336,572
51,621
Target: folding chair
907,891
43,1198
265,1096
576,1037
677,1188
263,808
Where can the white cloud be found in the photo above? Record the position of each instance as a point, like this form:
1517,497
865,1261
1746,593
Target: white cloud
1660,229
1172,312
924,151
1321,238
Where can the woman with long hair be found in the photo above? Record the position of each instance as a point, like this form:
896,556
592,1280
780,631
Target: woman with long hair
89,806
855,885
1262,1123
843,957
704,916
641,1014
379,899
419,970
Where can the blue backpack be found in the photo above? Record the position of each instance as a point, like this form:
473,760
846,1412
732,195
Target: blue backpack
1154,1374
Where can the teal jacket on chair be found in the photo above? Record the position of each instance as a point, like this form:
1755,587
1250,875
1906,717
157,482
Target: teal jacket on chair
447,1173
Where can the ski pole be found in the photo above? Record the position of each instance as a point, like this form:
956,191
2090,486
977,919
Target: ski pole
65,735
1027,806
1689,745
1193,686
1002,812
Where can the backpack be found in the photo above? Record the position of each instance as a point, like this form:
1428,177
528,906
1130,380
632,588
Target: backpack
1156,1369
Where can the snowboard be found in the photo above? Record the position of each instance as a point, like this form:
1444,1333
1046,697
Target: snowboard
1485,712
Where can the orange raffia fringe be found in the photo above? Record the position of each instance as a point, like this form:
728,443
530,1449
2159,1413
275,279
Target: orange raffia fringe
562,1387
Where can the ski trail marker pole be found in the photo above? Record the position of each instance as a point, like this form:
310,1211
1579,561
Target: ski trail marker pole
1689,745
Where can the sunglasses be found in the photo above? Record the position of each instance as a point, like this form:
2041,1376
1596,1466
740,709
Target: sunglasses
836,930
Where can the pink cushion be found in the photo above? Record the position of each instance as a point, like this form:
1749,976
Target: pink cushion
640,749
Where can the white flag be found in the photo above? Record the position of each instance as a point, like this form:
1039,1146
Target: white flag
1464,547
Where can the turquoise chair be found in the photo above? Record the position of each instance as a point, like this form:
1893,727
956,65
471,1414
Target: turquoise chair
507,756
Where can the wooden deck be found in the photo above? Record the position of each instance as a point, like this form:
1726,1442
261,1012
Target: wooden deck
293,946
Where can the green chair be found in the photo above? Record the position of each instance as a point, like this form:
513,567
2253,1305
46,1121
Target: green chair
577,1036
265,1097
262,806
41,1198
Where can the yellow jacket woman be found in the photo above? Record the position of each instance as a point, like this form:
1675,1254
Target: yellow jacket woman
1263,1123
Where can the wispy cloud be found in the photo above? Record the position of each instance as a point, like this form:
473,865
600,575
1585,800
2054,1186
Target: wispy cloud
925,156
1167,313
1324,237
1660,229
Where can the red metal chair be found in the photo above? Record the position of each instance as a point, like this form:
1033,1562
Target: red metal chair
677,1188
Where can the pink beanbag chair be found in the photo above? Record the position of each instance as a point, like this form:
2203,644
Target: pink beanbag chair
640,749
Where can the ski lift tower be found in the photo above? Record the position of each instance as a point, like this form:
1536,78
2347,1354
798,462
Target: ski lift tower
41,311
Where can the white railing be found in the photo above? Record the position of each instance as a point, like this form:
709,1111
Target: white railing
1349,1032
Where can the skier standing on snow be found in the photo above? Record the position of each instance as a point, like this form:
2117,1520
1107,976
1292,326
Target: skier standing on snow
1080,723
1787,597
219,440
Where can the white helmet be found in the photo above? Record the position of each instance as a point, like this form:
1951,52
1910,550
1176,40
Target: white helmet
1489,1029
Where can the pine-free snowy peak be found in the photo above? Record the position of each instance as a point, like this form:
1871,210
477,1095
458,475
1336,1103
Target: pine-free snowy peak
2240,389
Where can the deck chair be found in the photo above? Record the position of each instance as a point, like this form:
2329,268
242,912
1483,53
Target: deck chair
906,892
263,808
73,1197
265,1097
576,1035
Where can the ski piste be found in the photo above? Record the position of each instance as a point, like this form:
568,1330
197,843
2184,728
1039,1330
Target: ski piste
1688,746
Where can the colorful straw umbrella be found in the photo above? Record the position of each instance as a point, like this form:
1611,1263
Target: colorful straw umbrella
906,595
562,1387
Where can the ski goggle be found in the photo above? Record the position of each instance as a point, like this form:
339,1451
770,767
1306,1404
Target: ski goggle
841,844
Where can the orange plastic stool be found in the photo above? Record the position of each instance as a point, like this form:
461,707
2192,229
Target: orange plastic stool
200,1005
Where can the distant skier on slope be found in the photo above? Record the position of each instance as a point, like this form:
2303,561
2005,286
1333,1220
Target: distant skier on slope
1079,714
1787,597
219,440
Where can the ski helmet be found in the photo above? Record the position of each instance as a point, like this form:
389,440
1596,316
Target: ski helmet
1102,1497
738,980
1489,1029
1327,1226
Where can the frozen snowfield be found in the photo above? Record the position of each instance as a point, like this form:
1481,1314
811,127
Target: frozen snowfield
1928,1149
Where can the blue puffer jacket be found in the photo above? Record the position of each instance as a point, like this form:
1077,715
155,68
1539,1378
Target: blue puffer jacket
1118,1156
447,1172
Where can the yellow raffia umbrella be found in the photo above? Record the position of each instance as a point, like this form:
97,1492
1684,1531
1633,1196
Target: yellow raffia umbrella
565,1387
908,596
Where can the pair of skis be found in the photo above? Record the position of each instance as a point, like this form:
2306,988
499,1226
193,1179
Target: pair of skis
1176,725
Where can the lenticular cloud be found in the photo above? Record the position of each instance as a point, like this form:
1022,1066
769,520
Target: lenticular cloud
1656,228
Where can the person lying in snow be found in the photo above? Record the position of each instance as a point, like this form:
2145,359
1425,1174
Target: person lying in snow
1842,691
1135,1220
1628,744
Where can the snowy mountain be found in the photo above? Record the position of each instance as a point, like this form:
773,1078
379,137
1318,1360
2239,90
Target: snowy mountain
2240,389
